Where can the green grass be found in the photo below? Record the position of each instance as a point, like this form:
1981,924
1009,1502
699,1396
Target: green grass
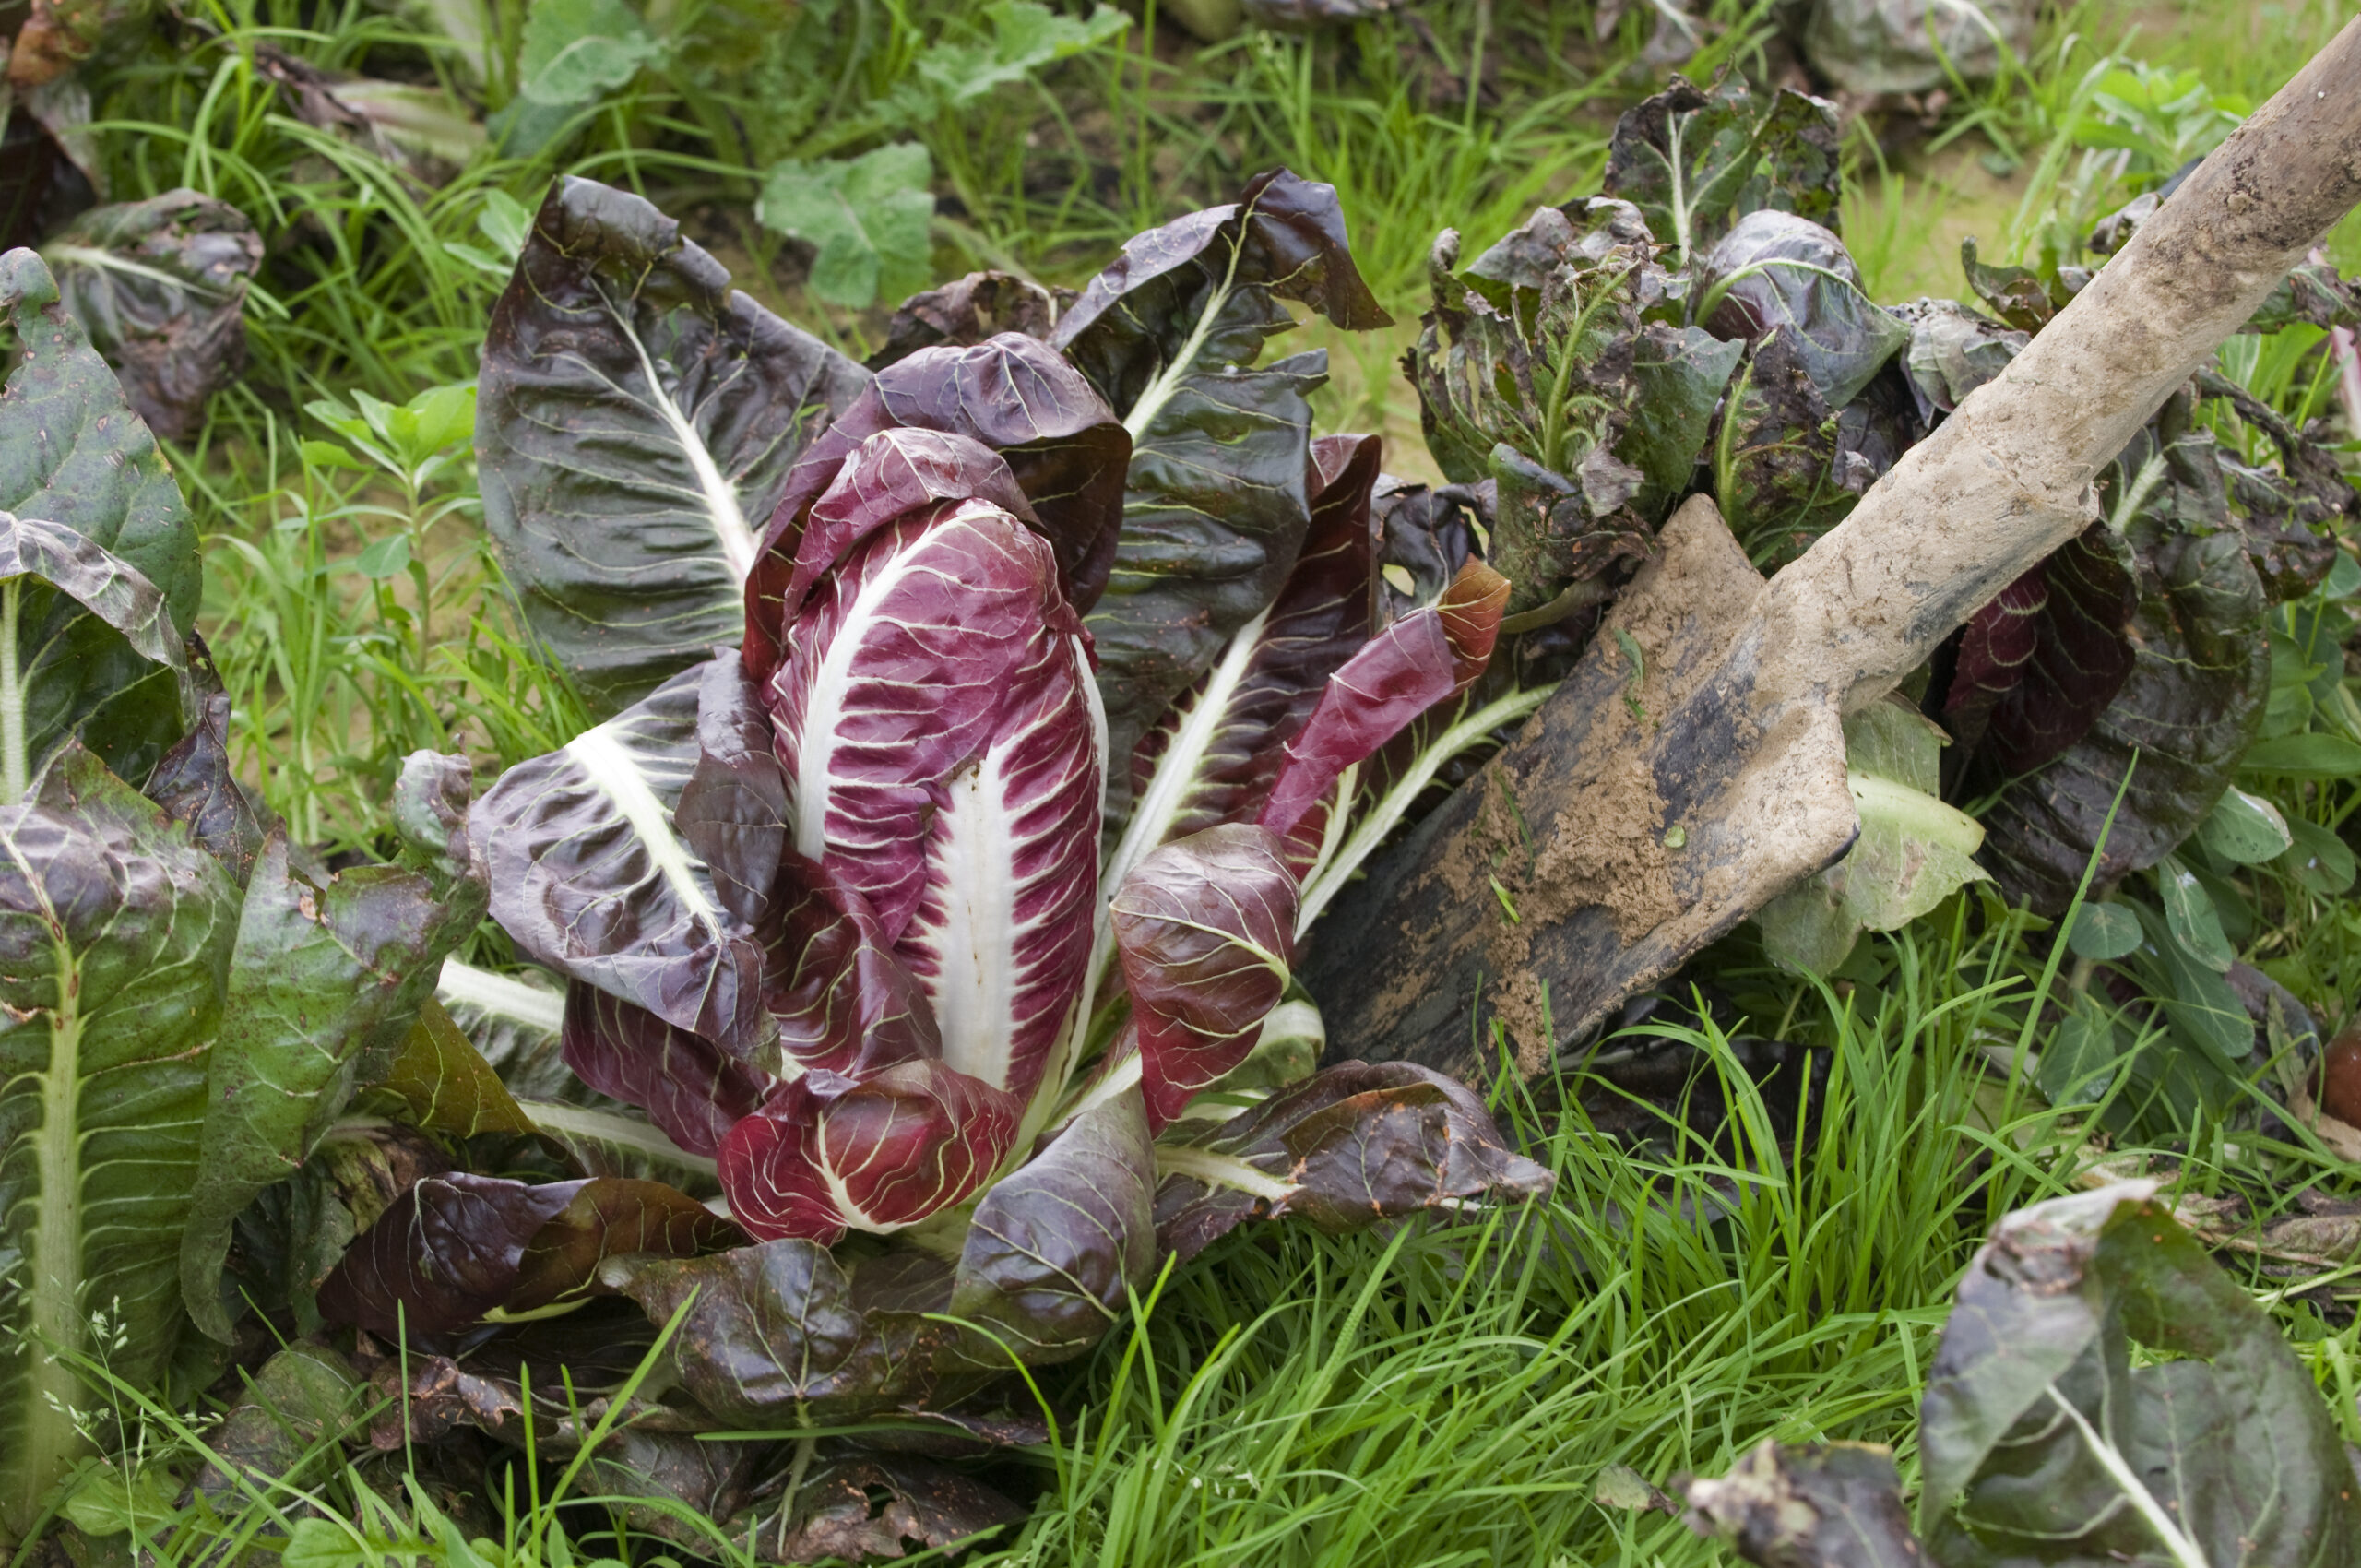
1448,1393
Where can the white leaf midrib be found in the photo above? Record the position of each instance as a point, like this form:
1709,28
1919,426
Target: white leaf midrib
720,497
614,772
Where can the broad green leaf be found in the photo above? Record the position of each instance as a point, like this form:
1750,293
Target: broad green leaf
1694,160
105,1501
2316,755
74,455
575,51
1026,36
2245,830
1914,851
636,424
2191,917
443,1084
389,557
115,932
867,218
2318,858
2102,931
2104,1392
322,975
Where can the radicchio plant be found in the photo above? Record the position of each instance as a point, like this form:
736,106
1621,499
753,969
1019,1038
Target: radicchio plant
843,909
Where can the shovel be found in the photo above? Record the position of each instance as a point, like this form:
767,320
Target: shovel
1691,767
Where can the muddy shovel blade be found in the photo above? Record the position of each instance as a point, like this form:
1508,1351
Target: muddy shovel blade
1648,807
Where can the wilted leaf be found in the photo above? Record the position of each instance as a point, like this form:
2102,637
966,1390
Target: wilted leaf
862,1507
968,311
1774,271
1355,1144
637,422
160,287
1810,1506
302,1399
1905,46
2041,1441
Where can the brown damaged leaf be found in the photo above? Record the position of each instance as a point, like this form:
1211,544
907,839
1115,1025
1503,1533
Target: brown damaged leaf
1810,1506
160,287
963,314
838,1513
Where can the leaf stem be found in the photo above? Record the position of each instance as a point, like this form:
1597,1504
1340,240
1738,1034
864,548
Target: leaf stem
12,699
2183,1551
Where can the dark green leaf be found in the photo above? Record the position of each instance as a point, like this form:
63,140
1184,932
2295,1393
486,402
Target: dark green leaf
1057,1246
2189,916
296,1406
442,1085
160,287
2189,706
114,933
2015,294
2245,830
2102,931
1695,160
454,1248
635,424
2318,858
322,977
1218,497
2042,1442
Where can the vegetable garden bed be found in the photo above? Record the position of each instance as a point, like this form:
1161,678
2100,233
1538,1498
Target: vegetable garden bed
661,908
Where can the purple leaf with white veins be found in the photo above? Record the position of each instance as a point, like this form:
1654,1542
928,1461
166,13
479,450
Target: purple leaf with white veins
1205,927
936,720
688,1086
734,811
590,876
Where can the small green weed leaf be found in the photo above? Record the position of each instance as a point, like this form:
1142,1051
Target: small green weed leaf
2190,915
2204,1011
389,557
2076,1065
2318,858
105,1501
2344,577
575,50
2244,829
2103,932
504,222
867,218
328,454
2304,756
1026,36
323,1543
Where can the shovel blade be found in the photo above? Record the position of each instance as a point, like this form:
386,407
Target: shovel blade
1647,807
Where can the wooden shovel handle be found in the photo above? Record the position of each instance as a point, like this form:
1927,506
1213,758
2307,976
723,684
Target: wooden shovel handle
2007,477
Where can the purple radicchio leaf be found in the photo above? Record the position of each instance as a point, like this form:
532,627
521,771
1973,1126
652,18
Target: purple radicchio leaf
1213,757
637,422
1064,449
2041,661
826,1153
938,726
1359,1143
591,878
842,999
733,811
458,1246
691,1090
1427,657
1057,1246
1218,497
1206,929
